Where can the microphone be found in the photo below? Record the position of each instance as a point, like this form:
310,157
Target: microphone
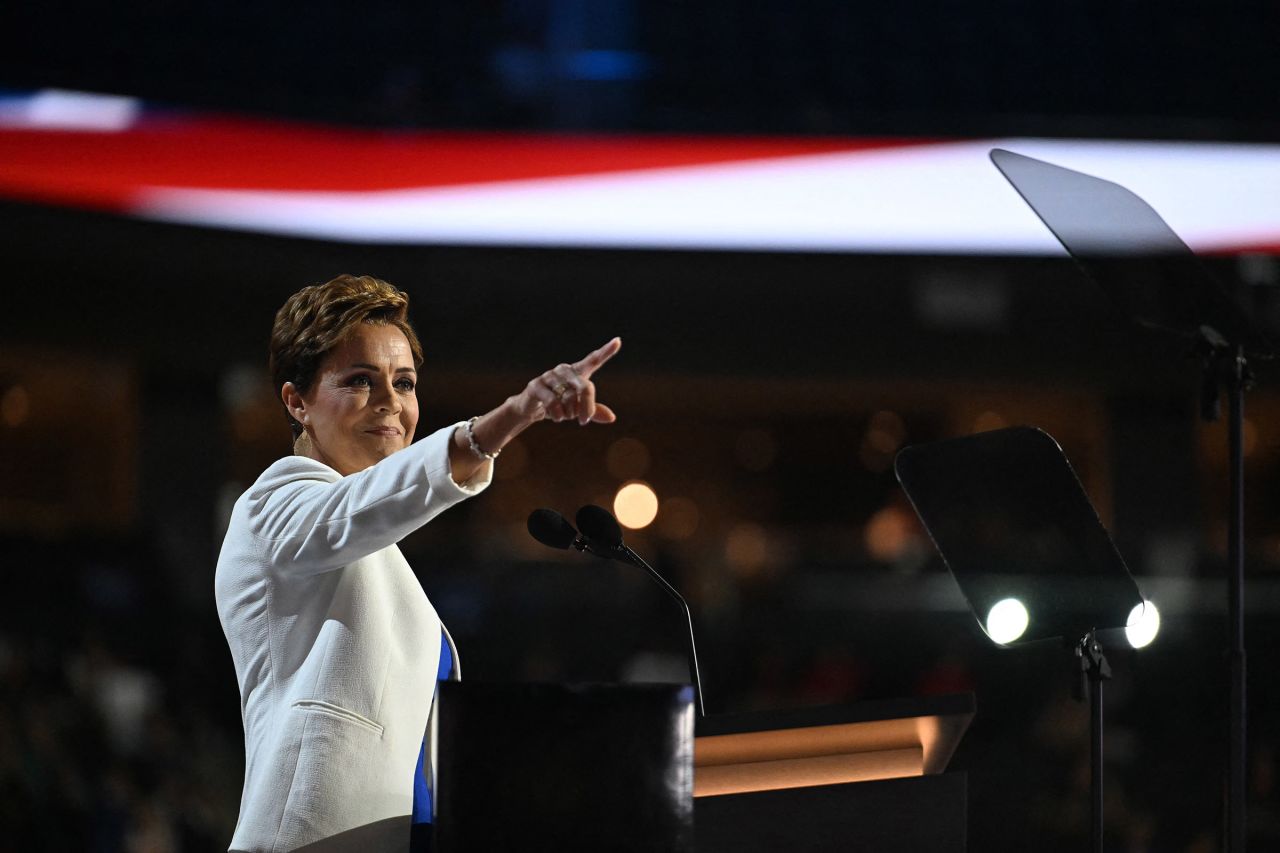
553,530
603,534
598,524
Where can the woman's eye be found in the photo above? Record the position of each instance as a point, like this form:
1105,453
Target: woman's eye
361,380
405,384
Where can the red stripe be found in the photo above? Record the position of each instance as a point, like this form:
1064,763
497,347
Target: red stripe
1271,247
103,170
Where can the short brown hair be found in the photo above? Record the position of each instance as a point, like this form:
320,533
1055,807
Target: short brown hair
317,318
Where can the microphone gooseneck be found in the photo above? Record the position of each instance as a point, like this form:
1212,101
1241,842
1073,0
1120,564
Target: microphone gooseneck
601,530
602,536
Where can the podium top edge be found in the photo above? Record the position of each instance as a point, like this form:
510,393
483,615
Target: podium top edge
950,705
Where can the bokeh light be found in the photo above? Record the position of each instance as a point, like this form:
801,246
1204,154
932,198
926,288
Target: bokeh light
635,505
15,406
988,421
888,534
627,459
886,431
746,549
680,518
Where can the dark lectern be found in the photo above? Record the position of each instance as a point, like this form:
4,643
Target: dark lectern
616,767
564,767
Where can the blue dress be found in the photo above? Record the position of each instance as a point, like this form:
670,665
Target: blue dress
420,832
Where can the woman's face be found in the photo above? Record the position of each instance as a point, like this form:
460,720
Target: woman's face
362,406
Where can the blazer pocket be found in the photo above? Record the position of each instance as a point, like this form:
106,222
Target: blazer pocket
318,706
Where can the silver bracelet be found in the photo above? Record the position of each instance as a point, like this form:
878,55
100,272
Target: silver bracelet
475,445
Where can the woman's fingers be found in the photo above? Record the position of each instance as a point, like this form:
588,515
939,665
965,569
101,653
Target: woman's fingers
577,395
595,360
567,376
564,386
566,390
543,399
587,404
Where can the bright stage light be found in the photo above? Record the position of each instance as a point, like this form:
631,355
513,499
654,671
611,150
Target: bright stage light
1007,621
1143,625
636,505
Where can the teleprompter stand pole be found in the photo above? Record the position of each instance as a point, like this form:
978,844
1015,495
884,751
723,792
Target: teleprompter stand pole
1226,367
1091,670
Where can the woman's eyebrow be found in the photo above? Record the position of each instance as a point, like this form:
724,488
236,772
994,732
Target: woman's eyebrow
377,369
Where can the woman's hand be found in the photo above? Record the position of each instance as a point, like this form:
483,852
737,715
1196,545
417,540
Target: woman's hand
565,392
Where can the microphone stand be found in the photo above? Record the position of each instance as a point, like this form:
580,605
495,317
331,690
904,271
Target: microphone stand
602,536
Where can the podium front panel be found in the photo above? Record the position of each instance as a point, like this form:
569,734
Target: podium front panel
925,814
564,767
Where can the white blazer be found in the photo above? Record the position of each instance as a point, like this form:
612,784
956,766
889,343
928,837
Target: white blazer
336,646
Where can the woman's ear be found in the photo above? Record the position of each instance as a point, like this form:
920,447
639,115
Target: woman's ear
293,402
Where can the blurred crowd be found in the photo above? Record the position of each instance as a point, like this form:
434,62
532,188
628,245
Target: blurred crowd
120,730
114,727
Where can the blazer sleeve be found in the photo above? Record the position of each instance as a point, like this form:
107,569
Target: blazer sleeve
310,520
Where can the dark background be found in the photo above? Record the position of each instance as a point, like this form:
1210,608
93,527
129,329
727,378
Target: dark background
767,390
1084,68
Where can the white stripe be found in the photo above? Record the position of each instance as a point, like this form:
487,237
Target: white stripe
61,109
931,198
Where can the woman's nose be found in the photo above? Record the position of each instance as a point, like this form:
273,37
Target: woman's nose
386,399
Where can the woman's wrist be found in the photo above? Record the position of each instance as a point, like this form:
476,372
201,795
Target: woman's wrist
485,436
507,421
477,449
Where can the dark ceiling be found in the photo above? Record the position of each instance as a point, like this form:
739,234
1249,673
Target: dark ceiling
1090,68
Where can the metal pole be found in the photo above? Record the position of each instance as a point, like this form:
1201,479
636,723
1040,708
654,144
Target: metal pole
1236,826
1095,703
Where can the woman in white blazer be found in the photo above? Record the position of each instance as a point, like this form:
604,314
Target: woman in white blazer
336,648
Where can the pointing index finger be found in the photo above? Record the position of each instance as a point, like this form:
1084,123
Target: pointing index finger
594,361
